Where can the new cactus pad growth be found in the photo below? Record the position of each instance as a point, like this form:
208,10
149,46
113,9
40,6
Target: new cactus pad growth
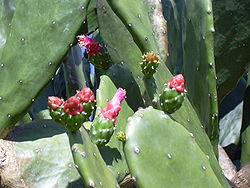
173,95
149,64
102,127
74,111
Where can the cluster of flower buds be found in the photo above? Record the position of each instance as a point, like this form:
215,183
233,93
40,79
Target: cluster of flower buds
149,64
74,111
173,95
102,127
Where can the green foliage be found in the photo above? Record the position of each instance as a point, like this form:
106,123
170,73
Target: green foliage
194,24
38,51
39,155
158,141
232,42
89,161
245,153
157,149
113,153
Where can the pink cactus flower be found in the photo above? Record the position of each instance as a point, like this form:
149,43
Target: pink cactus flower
92,47
112,109
177,82
86,95
73,106
54,102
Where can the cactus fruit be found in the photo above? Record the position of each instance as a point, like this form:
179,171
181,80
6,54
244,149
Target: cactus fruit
173,95
92,47
101,130
87,98
54,102
103,125
72,106
95,52
74,111
149,64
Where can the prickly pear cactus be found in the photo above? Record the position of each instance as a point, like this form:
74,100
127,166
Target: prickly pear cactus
38,155
112,152
156,140
194,22
74,111
35,57
245,153
89,161
101,130
173,95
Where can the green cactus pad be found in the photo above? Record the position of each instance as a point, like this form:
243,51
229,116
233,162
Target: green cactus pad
125,52
123,78
101,130
112,153
197,50
245,137
232,43
73,69
89,161
134,15
154,139
38,156
171,100
33,50
245,150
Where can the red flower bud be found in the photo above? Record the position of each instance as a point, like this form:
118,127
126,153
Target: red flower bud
54,102
73,106
177,82
86,95
92,47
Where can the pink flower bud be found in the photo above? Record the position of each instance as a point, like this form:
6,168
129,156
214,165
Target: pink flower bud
177,82
54,102
86,95
73,106
112,109
92,47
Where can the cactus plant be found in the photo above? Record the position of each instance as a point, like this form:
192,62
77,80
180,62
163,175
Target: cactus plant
33,149
118,47
165,160
89,162
58,33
